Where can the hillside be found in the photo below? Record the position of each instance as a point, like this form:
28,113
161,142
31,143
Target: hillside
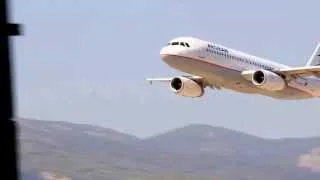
195,151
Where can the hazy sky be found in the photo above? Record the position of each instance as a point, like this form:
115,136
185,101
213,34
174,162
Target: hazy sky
86,62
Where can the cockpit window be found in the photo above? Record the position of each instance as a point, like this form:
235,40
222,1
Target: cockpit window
185,44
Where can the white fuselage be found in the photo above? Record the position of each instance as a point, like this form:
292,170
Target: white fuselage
223,66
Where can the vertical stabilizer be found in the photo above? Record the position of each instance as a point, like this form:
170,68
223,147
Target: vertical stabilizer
315,57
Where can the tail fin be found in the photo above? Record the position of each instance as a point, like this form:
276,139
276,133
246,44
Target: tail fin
315,57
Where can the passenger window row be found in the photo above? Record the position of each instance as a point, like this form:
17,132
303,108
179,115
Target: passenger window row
243,60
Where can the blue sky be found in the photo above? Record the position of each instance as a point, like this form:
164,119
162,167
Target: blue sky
86,62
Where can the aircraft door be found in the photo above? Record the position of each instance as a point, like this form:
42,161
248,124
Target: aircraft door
202,53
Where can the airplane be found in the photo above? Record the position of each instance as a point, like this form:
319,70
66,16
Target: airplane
208,64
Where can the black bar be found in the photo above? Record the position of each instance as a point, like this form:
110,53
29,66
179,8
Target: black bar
10,30
8,137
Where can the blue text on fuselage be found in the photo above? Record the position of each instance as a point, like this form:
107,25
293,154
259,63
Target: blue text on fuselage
217,48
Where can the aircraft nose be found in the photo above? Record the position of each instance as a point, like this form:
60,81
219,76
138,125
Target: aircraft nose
164,56
164,53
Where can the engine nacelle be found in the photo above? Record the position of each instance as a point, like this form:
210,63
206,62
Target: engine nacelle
186,87
268,80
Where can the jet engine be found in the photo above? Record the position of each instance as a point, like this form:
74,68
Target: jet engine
186,87
268,80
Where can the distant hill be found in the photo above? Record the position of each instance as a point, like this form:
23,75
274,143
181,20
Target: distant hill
195,151
197,138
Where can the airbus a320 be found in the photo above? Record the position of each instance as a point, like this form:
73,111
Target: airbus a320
208,64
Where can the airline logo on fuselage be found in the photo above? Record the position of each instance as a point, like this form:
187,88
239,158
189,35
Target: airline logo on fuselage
217,48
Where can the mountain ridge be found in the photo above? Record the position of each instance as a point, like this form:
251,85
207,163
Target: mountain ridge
195,150
190,125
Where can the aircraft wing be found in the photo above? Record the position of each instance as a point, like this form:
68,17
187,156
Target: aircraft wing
168,79
289,73
195,78
292,73
151,80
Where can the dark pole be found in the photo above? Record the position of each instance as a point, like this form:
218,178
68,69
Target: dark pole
8,137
